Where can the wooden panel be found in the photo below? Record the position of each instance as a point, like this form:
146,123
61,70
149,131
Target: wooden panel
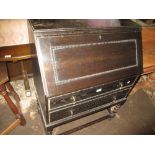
73,62
13,32
148,41
88,60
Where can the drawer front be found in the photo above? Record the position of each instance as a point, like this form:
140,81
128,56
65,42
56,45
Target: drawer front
86,106
83,61
72,98
69,63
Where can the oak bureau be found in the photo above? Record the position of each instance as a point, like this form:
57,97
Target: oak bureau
80,69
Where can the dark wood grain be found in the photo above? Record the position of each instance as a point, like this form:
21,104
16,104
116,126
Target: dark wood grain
15,53
3,73
16,74
74,60
111,57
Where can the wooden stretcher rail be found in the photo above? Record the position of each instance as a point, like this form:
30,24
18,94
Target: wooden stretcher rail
11,127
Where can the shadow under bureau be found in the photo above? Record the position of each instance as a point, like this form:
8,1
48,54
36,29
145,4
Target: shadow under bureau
80,70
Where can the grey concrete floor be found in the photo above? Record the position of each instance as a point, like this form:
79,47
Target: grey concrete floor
137,116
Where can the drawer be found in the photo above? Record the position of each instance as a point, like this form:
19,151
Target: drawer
72,98
16,52
89,105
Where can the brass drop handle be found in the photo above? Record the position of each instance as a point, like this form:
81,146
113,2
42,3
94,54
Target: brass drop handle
73,98
114,99
120,85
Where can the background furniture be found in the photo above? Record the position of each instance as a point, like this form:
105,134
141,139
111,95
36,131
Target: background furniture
15,50
148,44
6,90
148,40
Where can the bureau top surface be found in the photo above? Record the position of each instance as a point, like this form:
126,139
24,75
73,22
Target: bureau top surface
61,24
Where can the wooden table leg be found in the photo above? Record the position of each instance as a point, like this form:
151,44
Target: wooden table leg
13,94
12,106
26,80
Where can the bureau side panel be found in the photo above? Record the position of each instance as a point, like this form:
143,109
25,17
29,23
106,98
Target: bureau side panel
36,74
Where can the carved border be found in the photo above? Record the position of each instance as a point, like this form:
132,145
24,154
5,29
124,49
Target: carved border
53,49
